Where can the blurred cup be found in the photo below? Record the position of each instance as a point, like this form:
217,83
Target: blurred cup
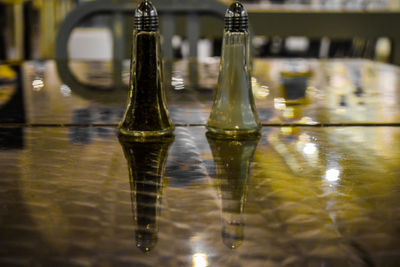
295,76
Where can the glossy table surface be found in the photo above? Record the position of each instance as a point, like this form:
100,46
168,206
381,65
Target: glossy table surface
320,187
338,91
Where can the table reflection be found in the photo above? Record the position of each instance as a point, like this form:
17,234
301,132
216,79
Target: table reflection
146,164
232,159
312,196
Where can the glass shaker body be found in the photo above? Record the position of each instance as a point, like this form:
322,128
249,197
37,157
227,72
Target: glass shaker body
147,113
233,112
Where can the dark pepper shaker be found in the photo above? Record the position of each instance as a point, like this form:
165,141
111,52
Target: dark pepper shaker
146,115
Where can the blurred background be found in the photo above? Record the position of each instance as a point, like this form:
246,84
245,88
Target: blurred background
100,30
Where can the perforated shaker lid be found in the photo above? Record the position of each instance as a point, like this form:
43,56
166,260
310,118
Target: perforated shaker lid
146,17
236,19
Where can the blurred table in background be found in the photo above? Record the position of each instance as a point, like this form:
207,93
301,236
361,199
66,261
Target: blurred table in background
335,25
319,188
337,91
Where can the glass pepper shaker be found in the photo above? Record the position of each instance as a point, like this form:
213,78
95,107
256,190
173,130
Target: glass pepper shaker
147,113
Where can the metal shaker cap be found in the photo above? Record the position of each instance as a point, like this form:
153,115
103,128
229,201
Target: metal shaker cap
146,17
236,19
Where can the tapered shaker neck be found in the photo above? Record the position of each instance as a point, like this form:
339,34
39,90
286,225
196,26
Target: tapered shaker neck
146,17
236,19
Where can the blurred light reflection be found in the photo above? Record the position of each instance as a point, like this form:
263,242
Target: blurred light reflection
37,84
178,83
307,120
310,149
279,103
200,260
332,175
65,90
259,91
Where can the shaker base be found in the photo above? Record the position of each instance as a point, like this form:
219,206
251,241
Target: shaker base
145,134
232,133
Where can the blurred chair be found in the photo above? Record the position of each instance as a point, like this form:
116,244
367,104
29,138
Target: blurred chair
167,9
